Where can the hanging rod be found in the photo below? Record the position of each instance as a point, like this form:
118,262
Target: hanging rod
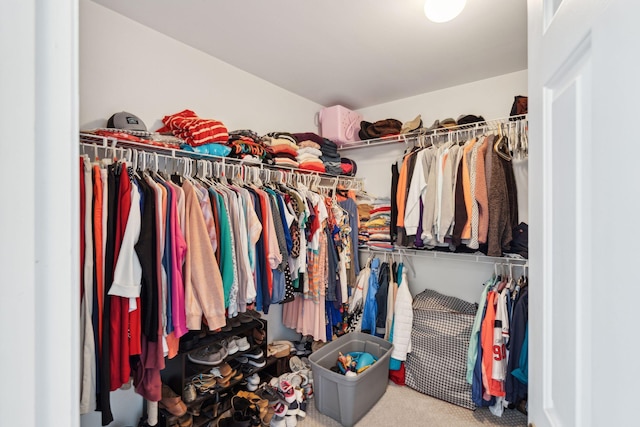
479,258
106,142
412,136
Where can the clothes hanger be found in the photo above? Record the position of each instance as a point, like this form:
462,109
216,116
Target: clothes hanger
501,146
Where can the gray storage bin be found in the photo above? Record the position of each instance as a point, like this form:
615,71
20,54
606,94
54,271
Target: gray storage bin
347,399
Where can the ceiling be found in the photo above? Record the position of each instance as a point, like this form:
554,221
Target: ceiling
356,53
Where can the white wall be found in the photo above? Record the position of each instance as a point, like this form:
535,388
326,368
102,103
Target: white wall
490,98
127,66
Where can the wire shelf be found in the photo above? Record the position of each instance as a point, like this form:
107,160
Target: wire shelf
413,137
110,143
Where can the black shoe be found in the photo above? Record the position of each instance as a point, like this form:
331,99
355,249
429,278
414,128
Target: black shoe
258,363
245,318
254,353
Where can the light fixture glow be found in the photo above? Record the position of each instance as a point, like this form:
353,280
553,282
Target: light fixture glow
443,10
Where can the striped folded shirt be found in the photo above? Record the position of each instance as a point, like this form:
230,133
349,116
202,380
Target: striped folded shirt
194,130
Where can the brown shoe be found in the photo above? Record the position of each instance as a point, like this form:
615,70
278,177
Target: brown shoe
172,402
185,421
259,335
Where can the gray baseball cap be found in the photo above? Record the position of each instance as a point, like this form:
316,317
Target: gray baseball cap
124,120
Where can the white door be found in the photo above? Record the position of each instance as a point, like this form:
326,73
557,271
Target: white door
584,80
39,236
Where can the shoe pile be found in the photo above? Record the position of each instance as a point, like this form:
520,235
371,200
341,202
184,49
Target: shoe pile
280,349
292,391
247,410
303,347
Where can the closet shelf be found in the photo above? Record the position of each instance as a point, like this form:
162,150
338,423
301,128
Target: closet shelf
468,257
413,137
109,143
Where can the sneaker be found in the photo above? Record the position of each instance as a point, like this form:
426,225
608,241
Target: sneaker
254,379
300,348
287,390
308,390
293,408
210,355
254,353
280,409
278,421
230,345
302,410
291,421
293,378
242,343
258,363
296,364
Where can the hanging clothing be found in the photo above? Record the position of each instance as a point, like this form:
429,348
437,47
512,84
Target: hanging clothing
459,197
402,321
496,365
160,257
370,304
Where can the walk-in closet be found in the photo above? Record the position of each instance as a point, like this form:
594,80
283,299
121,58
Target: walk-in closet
291,214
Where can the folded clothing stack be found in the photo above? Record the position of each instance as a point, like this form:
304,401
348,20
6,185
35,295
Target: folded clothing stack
194,130
245,144
348,166
364,214
379,224
330,157
309,156
283,149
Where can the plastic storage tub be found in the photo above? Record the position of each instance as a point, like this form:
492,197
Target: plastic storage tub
347,399
339,124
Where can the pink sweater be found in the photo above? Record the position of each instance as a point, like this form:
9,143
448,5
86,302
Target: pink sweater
202,279
178,253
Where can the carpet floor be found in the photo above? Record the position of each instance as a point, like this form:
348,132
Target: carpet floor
403,406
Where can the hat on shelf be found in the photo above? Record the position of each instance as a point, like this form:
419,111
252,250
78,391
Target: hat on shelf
448,123
466,119
434,126
379,129
124,120
412,125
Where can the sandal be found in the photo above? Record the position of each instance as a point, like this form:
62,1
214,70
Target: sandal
205,383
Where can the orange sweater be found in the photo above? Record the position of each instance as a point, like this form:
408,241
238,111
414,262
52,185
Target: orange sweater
466,187
402,189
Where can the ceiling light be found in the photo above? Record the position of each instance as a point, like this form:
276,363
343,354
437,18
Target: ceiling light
443,10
